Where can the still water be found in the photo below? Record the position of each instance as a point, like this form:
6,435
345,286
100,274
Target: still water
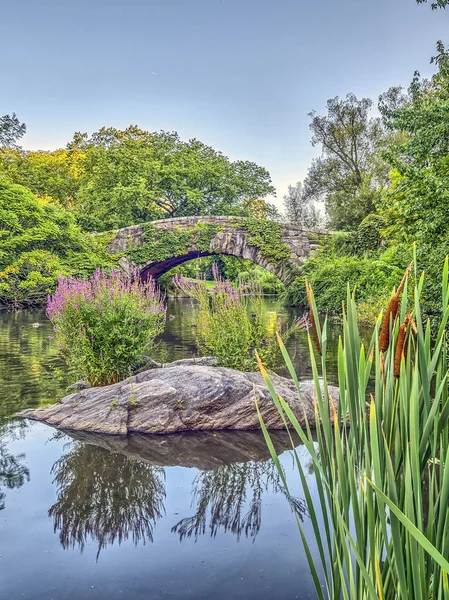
85,516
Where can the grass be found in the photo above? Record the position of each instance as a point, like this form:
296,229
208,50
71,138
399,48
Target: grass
381,472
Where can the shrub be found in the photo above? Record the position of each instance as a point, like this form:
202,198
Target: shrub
232,322
369,233
103,324
329,275
29,279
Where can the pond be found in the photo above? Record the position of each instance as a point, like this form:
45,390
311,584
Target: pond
182,516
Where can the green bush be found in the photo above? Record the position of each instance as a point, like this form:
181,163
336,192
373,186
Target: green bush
103,324
369,233
29,279
232,323
329,275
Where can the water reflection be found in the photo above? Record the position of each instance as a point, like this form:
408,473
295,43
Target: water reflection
105,496
223,493
13,472
111,489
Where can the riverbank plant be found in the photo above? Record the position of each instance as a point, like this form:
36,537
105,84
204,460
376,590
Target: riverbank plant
232,322
379,492
103,324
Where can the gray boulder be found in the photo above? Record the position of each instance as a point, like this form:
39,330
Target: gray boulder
179,398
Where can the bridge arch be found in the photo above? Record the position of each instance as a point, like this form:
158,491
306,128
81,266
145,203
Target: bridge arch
155,248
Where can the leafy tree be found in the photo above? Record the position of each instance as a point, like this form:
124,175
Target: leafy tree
56,174
134,176
435,5
39,241
299,208
349,174
417,203
11,130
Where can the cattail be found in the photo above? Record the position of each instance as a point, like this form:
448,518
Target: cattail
312,317
392,310
404,279
398,353
409,321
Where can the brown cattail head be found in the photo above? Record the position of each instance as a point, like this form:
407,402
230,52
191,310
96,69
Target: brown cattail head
312,317
409,321
398,353
392,310
404,279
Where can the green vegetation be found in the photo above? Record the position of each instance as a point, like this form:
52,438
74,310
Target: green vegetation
49,201
160,244
104,324
266,235
406,162
232,322
378,492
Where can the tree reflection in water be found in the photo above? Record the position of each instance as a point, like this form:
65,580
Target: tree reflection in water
105,496
13,473
111,489
225,493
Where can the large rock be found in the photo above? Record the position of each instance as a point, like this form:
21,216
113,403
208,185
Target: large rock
179,398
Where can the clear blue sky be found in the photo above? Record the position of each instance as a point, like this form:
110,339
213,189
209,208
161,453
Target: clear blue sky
240,75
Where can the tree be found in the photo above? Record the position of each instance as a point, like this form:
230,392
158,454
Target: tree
300,209
349,175
417,204
11,130
435,5
133,176
56,174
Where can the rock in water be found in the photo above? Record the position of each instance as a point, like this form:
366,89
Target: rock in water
179,398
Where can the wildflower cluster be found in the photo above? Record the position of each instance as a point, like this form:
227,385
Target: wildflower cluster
232,322
103,324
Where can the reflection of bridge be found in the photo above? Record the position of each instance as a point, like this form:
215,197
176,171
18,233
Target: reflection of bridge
157,247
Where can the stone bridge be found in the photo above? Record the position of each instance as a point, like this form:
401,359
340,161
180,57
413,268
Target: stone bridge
155,248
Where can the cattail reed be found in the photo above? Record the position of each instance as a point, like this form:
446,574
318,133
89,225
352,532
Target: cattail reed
404,279
392,310
312,318
402,342
398,353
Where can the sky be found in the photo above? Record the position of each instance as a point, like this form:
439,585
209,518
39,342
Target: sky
239,75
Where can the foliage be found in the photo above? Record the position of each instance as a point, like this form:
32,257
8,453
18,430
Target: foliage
435,5
103,324
369,233
237,270
134,176
299,208
56,174
330,270
232,322
266,236
380,470
40,241
29,279
160,243
28,223
349,174
11,130
417,204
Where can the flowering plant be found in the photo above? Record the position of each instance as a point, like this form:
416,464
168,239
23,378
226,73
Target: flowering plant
103,324
232,322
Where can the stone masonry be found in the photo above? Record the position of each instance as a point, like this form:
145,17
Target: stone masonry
230,240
